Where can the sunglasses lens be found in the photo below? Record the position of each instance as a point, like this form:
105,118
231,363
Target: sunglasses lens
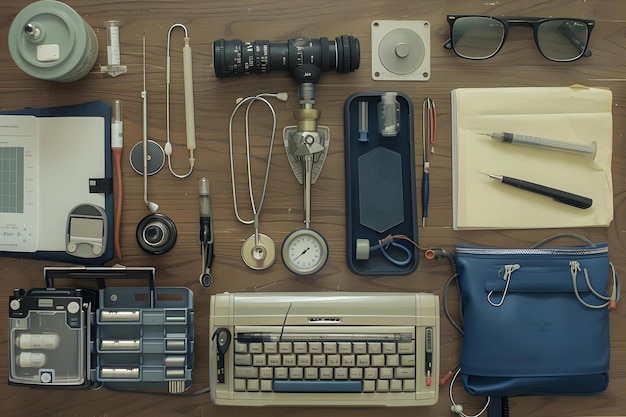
476,37
562,39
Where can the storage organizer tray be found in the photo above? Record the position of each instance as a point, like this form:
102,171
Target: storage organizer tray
145,338
380,186
120,337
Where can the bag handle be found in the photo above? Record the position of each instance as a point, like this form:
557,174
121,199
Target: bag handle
562,236
610,301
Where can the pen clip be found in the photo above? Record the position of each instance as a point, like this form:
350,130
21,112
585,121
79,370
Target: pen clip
429,126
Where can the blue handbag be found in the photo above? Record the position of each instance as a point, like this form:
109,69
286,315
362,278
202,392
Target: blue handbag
536,320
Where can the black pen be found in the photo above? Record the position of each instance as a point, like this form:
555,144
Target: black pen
564,197
206,233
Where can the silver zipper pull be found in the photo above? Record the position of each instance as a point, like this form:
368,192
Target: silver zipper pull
508,272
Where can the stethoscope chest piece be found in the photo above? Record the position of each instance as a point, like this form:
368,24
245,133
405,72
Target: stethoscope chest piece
155,157
156,233
259,254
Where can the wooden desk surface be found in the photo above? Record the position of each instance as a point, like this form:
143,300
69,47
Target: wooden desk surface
518,64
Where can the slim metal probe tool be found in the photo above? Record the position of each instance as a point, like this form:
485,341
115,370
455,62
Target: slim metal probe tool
144,97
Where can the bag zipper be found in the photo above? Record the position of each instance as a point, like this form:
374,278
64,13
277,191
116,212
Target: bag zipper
576,251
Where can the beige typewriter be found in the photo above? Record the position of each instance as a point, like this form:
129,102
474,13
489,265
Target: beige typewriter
324,348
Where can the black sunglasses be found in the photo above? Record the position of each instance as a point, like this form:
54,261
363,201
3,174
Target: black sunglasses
481,37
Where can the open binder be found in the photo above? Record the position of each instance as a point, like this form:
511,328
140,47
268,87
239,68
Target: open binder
52,160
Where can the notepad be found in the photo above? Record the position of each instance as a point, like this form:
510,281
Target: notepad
576,114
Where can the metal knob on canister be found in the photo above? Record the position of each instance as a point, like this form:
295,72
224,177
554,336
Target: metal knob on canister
50,41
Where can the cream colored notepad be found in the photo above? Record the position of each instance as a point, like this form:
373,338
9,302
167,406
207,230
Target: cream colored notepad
574,114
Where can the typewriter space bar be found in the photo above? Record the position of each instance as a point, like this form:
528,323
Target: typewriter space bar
317,386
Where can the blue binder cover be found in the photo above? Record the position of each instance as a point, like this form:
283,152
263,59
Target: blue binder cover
103,184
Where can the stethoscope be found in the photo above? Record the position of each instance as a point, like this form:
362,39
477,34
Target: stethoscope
156,233
258,251
189,106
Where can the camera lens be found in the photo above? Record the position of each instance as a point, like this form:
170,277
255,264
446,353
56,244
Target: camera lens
233,58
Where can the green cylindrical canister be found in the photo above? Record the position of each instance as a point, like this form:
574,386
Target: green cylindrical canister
50,41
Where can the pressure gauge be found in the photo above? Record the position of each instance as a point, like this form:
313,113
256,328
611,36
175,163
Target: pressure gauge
305,251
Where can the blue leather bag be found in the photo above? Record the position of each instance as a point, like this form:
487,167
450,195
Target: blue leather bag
536,320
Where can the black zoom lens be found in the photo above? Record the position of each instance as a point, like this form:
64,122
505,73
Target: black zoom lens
304,58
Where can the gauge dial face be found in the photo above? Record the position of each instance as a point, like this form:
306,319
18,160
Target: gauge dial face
305,251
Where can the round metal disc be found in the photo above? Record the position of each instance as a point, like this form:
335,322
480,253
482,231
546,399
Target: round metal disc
260,256
155,155
401,51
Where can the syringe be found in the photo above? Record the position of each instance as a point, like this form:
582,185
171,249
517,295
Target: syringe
552,144
113,67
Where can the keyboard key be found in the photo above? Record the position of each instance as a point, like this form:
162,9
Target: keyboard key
341,373
274,360
259,360
296,373
370,373
315,347
356,373
266,385
408,385
270,347
374,348
266,373
326,373
369,386
304,360
348,360
285,347
392,360
363,360
333,360
408,347
240,385
330,347
281,373
407,360
344,347
241,347
385,373
359,347
404,373
389,347
246,372
253,385
377,360
300,347
319,360
243,359
255,347
289,360
395,385
317,386
310,373
382,385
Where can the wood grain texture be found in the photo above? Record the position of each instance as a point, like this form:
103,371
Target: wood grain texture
518,64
